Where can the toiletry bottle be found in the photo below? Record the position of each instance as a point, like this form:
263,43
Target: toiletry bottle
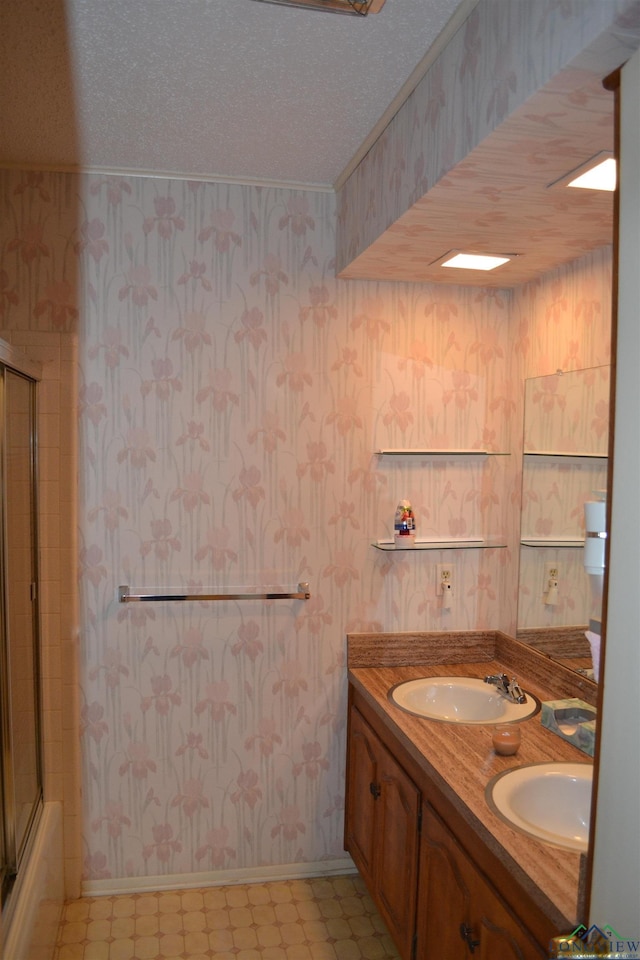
405,525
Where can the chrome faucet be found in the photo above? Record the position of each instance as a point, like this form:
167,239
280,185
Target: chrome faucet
508,688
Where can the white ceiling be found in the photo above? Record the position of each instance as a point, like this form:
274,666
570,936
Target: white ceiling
227,89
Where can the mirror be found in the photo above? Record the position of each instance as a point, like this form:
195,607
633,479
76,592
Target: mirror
566,433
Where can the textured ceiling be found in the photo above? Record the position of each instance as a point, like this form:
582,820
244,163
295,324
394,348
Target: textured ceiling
253,92
228,89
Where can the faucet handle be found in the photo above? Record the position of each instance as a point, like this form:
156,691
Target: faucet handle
497,678
516,692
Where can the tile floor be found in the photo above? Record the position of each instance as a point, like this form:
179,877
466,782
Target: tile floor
332,918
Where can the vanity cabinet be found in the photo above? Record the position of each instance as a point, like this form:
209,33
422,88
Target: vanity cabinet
436,901
382,829
459,914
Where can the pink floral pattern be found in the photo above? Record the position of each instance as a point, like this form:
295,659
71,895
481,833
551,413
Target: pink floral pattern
232,395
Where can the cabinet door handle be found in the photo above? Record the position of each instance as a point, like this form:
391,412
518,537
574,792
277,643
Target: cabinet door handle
467,936
374,790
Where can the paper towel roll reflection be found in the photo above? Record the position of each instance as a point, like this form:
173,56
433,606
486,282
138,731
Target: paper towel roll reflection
595,517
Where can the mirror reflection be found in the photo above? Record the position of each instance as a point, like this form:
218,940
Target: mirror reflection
562,531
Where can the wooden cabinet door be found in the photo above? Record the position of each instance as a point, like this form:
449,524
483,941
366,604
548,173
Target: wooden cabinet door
382,829
460,916
397,841
444,900
362,778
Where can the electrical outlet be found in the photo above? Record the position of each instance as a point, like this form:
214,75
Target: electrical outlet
444,578
551,572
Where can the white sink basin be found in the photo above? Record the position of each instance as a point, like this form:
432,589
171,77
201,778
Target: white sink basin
459,700
549,801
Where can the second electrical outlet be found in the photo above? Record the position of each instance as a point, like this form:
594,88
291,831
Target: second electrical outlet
445,578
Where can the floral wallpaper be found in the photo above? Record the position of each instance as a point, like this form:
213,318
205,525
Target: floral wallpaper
232,396
232,399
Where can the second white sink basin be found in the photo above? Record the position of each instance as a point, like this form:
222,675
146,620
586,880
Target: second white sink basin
549,801
459,700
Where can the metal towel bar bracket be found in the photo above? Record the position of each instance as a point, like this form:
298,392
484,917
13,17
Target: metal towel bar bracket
125,596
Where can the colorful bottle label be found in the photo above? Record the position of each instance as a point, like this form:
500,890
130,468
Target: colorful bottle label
405,522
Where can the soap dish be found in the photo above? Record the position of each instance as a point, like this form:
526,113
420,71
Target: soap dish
573,720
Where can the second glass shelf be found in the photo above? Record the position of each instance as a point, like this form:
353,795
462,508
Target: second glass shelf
439,545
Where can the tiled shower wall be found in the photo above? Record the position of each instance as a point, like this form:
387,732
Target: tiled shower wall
231,395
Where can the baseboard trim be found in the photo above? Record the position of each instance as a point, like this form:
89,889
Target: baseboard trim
218,878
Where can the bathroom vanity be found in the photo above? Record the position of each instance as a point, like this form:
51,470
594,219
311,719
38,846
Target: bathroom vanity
450,877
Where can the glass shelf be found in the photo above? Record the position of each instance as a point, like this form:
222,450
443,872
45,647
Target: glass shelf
572,454
533,542
439,545
419,452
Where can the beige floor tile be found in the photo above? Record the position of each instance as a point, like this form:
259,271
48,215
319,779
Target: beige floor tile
146,903
169,902
273,953
315,931
322,951
146,926
240,917
259,894
244,938
372,948
98,930
221,941
292,934
280,892
78,910
329,918
269,936
122,927
347,950
147,948
196,942
192,900
171,945
299,952
97,951
74,931
103,907
214,898
194,920
329,907
263,914
71,951
360,926
287,913
237,896
123,907
122,949
338,928
352,906
170,924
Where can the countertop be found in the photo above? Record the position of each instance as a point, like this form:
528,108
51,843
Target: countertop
459,758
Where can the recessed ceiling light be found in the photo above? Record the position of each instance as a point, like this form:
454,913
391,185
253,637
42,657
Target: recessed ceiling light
597,173
471,261
600,177
357,8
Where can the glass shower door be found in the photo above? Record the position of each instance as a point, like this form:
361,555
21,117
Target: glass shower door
19,661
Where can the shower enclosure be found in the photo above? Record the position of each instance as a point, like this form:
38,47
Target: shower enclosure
21,787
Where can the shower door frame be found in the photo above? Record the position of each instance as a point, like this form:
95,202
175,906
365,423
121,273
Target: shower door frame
13,849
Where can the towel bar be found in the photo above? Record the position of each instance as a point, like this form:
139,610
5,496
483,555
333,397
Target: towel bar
125,596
